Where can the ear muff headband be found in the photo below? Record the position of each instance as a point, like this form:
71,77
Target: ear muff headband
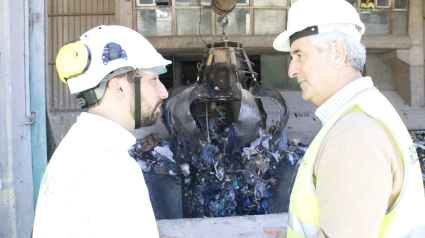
72,59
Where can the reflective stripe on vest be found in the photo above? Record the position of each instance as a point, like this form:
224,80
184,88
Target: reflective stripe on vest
300,227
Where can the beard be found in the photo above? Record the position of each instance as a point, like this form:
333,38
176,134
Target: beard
148,115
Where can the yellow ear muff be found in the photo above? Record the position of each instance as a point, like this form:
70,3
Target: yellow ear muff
72,60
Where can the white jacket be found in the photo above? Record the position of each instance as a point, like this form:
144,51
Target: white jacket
92,187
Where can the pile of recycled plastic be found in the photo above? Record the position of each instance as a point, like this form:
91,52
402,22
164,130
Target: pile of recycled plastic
418,138
222,179
234,181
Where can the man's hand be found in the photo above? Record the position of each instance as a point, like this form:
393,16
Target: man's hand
279,232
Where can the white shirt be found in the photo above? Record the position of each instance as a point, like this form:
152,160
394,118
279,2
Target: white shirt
92,187
339,99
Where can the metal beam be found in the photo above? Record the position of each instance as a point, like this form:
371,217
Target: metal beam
38,75
16,200
263,44
7,191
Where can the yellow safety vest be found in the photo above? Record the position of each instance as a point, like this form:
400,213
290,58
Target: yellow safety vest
406,218
368,5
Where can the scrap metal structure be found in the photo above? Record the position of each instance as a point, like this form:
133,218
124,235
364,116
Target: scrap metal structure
224,157
225,79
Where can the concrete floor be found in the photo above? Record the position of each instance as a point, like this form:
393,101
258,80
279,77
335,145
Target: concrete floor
223,227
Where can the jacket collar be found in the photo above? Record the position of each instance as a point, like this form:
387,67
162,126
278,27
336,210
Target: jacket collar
343,96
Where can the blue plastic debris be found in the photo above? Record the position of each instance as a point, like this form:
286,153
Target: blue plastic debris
207,155
265,206
290,158
232,146
283,142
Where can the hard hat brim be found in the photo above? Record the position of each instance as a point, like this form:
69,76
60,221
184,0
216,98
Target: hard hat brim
281,43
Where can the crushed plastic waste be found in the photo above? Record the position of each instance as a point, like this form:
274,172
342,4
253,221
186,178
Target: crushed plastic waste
185,169
165,151
154,156
221,179
418,137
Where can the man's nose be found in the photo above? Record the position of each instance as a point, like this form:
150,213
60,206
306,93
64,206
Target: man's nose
161,90
293,70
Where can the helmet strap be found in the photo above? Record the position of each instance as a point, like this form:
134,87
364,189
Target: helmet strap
91,96
137,103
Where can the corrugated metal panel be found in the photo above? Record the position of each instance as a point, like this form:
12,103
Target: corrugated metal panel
68,19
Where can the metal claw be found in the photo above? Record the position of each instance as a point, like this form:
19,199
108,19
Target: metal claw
249,119
259,92
173,95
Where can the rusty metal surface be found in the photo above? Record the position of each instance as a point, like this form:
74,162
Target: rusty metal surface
248,123
222,77
223,7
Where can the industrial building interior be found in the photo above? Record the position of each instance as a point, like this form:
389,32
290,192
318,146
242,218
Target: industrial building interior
246,187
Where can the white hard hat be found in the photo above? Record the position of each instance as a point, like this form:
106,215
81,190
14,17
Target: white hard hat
309,17
104,52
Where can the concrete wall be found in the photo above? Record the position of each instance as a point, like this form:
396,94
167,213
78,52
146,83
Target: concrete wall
423,38
416,56
382,74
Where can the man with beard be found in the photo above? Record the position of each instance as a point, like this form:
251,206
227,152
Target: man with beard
92,187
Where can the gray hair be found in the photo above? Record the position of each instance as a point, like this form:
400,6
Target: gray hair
356,52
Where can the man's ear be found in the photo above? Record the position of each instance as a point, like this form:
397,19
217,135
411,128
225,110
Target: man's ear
116,87
340,54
